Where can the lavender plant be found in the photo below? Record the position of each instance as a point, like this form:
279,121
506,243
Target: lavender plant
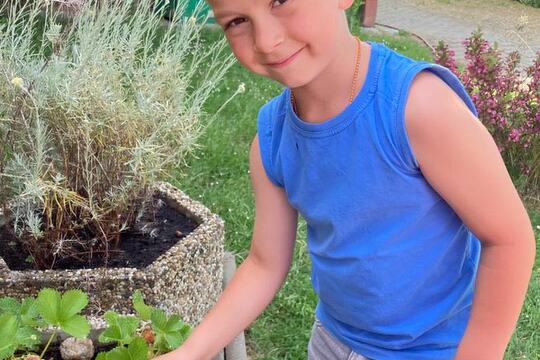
93,111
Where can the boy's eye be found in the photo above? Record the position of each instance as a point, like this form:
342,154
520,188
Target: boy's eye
237,21
234,22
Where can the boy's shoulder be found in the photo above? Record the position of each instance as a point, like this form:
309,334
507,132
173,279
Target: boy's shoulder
397,71
389,73
391,64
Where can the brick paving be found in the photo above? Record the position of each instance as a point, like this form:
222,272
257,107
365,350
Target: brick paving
455,20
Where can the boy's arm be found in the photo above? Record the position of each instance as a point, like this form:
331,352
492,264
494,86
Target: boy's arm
257,279
459,158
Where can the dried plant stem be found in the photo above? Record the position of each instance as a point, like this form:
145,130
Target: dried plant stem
53,335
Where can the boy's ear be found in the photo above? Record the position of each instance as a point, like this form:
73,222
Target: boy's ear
345,4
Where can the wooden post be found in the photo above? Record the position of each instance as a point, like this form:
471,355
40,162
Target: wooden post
368,13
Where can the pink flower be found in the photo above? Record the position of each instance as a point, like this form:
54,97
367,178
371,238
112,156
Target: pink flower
504,96
514,135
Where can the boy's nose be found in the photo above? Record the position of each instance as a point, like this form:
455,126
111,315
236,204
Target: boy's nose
267,37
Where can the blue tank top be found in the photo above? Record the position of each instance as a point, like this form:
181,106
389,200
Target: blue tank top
393,266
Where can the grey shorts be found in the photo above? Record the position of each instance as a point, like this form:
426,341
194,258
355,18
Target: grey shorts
323,346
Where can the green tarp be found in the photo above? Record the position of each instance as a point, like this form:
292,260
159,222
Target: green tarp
191,6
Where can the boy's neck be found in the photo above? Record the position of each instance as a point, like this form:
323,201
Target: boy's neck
328,95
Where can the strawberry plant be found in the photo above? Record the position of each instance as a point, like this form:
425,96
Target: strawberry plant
164,334
149,333
20,321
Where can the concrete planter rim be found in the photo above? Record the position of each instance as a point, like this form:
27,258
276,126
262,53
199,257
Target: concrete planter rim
202,249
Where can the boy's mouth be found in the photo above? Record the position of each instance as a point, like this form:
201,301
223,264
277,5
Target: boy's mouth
286,61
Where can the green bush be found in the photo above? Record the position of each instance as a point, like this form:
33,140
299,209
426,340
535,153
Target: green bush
534,3
353,12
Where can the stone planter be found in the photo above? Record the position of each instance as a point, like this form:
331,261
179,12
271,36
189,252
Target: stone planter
186,280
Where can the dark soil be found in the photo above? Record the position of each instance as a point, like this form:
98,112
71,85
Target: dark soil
53,353
137,247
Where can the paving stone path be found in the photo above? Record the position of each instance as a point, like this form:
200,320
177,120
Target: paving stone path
512,25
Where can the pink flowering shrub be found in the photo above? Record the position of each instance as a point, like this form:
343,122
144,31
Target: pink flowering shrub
507,101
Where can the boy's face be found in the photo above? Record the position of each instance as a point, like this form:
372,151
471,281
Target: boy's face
264,33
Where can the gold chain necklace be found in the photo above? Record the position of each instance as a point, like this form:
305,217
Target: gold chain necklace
355,77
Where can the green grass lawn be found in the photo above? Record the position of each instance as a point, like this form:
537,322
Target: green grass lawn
219,178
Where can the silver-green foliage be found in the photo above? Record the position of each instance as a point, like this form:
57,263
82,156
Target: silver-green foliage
535,3
93,112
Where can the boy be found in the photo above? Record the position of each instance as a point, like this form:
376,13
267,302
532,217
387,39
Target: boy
399,184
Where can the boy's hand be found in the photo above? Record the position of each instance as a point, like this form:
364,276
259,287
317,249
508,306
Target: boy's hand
178,354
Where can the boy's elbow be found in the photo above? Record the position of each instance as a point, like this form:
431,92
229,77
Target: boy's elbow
276,267
532,244
513,247
516,232
528,243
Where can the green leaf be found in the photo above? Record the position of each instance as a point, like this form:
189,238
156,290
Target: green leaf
110,317
185,331
173,340
76,326
29,312
170,332
28,337
8,326
6,350
73,301
138,349
159,319
48,303
111,334
174,323
61,311
9,305
8,331
101,356
118,353
121,329
144,311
